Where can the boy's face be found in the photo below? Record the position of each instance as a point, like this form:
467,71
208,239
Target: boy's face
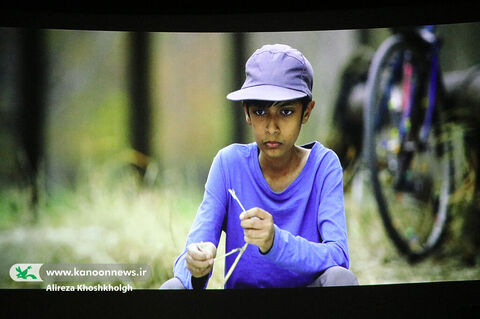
276,128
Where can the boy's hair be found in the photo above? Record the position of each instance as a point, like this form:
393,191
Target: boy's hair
266,104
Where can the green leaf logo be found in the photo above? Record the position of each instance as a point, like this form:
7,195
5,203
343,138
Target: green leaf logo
25,272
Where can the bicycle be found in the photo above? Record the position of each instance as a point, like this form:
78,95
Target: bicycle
406,146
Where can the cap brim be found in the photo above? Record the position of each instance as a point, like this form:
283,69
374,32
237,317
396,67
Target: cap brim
265,93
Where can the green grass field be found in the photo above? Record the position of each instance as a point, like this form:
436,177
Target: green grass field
118,221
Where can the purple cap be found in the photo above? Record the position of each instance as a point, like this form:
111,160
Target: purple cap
275,72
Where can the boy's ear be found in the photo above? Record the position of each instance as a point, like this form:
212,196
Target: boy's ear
247,116
308,111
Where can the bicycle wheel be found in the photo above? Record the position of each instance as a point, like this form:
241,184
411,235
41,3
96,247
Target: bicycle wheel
411,176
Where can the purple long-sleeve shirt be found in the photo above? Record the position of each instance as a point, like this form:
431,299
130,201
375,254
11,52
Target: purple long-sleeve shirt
308,216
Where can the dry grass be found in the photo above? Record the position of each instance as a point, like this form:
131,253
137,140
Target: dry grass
99,223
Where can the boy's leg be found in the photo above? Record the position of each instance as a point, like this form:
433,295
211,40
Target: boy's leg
173,283
335,276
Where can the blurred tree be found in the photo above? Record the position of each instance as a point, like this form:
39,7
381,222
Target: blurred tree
8,86
239,59
30,122
140,100
363,36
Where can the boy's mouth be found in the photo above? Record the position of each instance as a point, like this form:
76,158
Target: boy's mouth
272,144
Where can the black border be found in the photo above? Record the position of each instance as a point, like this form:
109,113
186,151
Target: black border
242,17
423,300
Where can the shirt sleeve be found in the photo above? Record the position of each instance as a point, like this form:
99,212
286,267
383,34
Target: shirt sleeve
208,222
297,254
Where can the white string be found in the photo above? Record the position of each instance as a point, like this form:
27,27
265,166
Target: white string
232,192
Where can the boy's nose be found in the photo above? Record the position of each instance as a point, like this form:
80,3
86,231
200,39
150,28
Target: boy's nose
272,126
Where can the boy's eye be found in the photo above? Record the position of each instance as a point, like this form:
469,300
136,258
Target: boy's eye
259,112
262,112
286,112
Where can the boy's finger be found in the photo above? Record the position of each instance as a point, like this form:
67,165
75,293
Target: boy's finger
254,234
199,256
208,249
201,264
251,223
194,251
254,212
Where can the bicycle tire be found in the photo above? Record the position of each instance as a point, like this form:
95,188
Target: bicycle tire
432,238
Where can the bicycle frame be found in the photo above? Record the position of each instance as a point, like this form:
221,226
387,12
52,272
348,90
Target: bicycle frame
409,88
432,88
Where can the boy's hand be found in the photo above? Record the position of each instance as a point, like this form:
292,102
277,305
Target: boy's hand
200,257
258,231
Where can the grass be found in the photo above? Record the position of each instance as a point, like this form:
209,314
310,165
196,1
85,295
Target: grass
98,223
109,219
375,260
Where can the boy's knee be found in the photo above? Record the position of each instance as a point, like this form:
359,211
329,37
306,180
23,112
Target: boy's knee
173,283
335,276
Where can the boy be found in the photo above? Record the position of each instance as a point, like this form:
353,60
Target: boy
293,195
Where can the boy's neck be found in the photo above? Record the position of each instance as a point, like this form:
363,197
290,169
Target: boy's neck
287,167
